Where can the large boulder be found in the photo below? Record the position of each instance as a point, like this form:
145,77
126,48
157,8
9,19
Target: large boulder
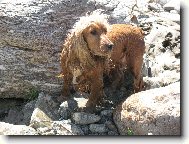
31,35
155,111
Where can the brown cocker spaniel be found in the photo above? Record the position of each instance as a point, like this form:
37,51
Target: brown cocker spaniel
94,48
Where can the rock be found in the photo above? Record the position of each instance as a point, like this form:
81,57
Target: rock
66,129
111,126
163,42
39,119
10,129
12,88
60,128
11,111
152,82
172,5
48,105
15,116
45,112
154,7
112,133
85,129
67,108
81,101
31,40
175,17
158,34
155,111
123,12
174,11
106,113
161,2
164,79
27,111
85,118
46,131
98,128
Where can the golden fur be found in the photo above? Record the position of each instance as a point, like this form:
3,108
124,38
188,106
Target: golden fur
93,48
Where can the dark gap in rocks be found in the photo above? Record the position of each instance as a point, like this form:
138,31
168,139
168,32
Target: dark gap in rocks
166,43
177,55
124,90
7,106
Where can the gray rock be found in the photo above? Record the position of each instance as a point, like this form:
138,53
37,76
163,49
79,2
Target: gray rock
24,79
172,5
10,129
106,113
62,128
75,102
155,111
11,111
161,2
15,116
155,6
112,133
64,111
32,34
27,111
85,129
98,128
111,126
152,82
85,118
48,105
45,112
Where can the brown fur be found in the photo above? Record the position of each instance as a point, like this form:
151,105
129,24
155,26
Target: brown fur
127,53
87,54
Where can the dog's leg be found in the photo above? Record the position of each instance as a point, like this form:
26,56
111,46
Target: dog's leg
67,80
67,83
97,92
138,84
138,79
118,76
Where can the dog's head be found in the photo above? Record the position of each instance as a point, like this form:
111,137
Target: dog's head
89,35
96,39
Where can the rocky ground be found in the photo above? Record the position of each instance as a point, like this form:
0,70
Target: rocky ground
31,35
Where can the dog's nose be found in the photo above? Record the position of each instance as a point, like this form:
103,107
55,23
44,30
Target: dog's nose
110,46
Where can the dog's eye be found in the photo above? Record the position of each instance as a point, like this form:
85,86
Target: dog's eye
94,32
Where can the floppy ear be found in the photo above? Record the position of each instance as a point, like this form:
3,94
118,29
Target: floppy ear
80,48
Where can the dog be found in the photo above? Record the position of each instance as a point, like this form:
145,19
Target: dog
94,48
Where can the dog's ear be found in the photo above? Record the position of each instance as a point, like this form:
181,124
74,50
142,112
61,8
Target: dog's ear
79,47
